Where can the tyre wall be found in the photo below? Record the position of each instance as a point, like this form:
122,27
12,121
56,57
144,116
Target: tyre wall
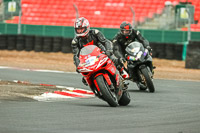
193,55
35,43
169,51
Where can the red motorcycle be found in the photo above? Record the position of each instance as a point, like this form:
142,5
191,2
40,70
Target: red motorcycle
102,76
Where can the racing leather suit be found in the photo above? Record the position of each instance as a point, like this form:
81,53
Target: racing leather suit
94,37
120,42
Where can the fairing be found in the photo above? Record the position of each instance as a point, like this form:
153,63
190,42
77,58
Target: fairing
94,62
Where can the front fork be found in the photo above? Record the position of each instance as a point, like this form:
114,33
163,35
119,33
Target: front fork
117,89
135,73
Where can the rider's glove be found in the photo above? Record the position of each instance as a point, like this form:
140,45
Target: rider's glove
149,49
122,60
108,53
114,59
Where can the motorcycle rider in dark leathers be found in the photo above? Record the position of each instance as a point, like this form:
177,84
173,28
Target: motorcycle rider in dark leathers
124,37
86,36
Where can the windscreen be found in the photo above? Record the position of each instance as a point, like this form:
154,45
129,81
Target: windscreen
87,50
133,47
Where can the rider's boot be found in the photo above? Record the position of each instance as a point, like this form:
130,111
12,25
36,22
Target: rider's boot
152,68
153,71
124,74
126,85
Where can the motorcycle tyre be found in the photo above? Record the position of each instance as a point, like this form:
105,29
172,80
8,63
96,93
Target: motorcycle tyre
106,92
125,99
148,79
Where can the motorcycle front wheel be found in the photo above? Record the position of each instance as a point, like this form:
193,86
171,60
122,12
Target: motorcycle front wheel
106,92
148,79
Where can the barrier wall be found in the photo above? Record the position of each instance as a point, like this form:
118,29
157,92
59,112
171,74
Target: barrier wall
68,32
169,51
62,44
165,44
193,55
40,30
35,43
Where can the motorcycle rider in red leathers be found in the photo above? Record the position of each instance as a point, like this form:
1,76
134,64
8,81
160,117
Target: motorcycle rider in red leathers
86,36
124,37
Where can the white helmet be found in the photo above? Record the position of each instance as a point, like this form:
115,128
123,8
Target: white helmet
82,27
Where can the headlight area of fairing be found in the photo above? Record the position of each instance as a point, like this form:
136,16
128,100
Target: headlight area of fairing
101,63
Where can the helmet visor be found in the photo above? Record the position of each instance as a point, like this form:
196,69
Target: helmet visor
126,32
80,30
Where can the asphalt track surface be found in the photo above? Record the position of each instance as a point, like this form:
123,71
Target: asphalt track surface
173,108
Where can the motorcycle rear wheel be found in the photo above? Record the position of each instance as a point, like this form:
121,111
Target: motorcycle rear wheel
107,94
125,99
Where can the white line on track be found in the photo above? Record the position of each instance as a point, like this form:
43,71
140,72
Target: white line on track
37,70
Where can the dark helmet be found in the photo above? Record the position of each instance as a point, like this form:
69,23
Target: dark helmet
125,28
82,27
